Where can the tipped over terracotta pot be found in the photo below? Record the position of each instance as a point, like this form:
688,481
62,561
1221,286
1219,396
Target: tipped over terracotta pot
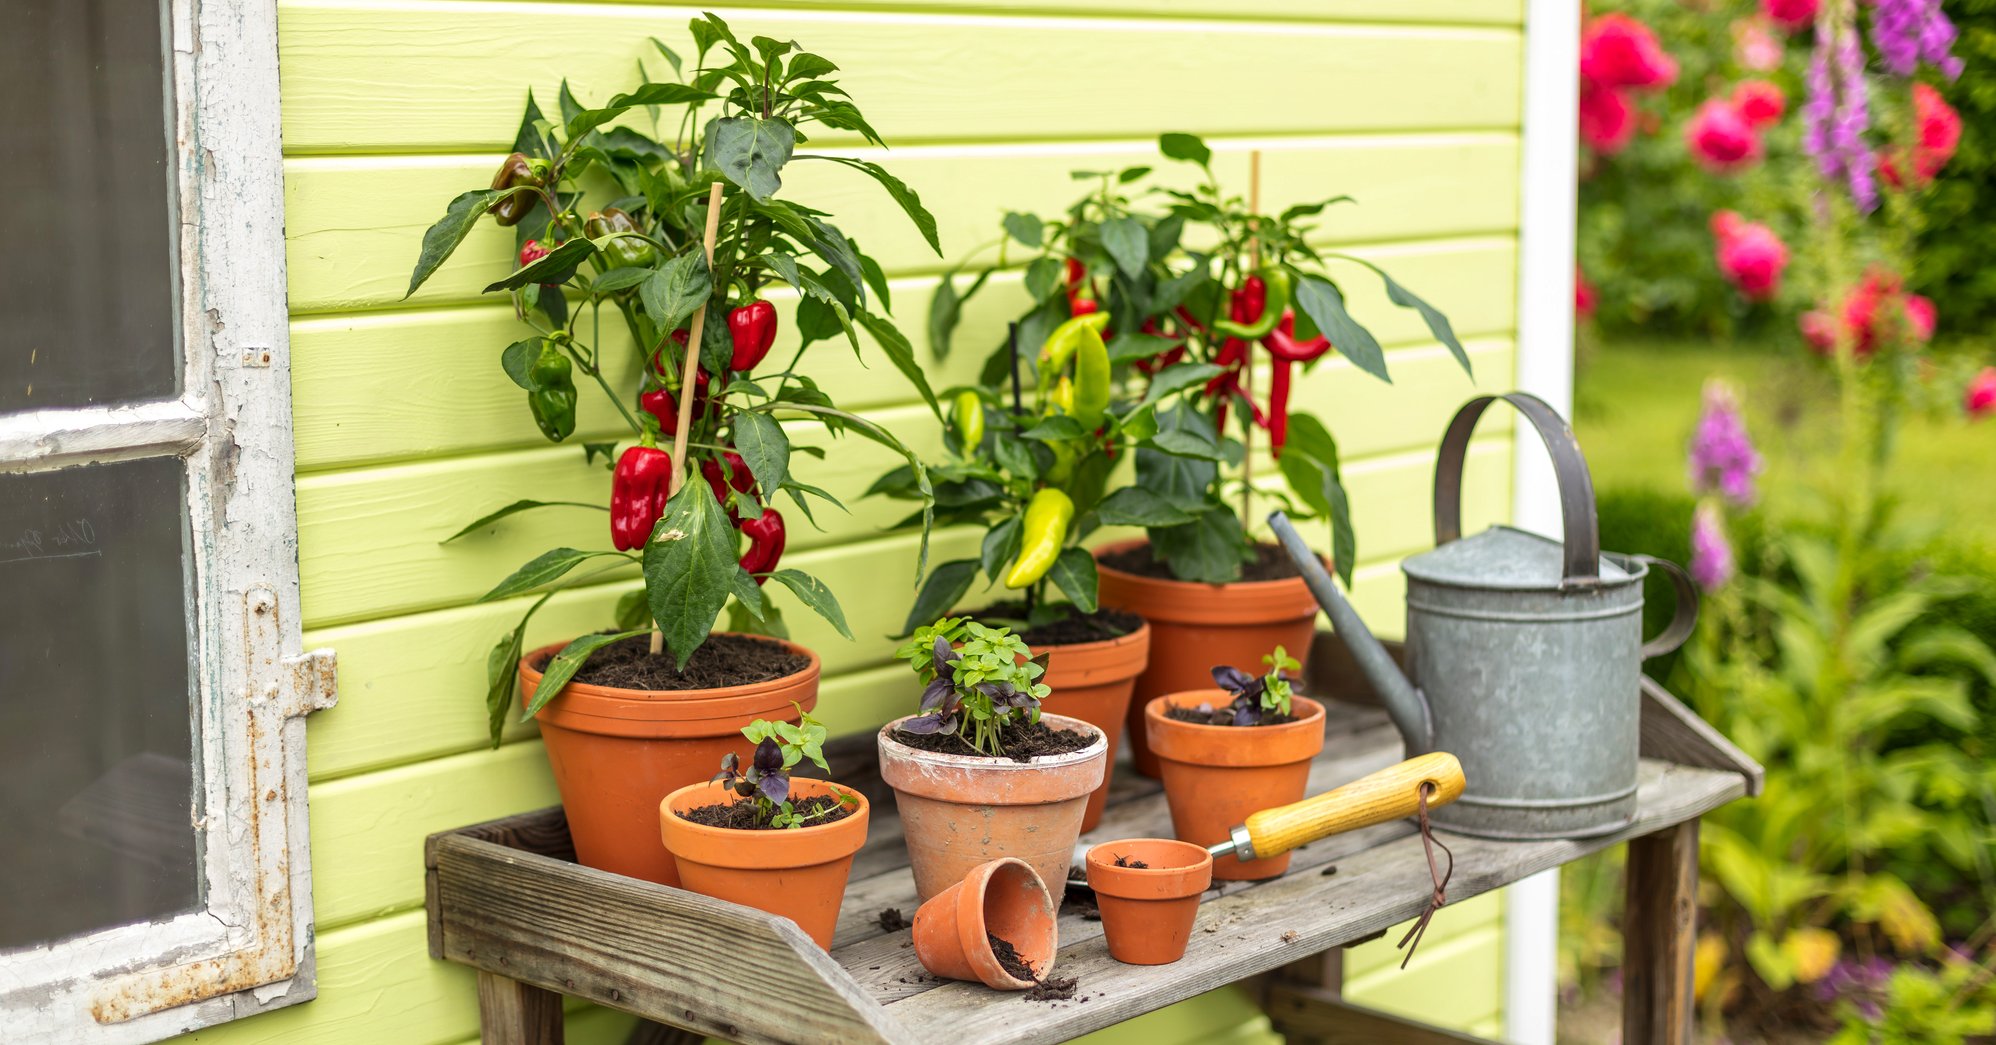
798,873
1215,776
1196,626
960,811
616,753
1002,898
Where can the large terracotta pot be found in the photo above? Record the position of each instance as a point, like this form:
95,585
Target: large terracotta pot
1214,776
617,753
799,874
1148,911
1002,898
1092,681
1197,626
959,811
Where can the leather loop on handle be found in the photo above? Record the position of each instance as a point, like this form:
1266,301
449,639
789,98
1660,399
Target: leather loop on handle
1390,794
1576,486
1683,618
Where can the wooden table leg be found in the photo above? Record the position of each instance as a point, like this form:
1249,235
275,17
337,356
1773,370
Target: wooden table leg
515,1013
1659,934
1322,972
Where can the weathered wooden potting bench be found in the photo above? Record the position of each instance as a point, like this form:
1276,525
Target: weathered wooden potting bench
508,898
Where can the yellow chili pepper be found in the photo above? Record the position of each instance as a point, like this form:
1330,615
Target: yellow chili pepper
969,416
1061,399
1091,379
1044,529
1067,337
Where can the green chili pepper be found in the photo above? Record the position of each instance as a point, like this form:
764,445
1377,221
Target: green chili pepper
624,251
552,398
1043,532
969,416
1276,302
1091,379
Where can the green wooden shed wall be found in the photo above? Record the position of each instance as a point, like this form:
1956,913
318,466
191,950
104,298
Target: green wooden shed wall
406,428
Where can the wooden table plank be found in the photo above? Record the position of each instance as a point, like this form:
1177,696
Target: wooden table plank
1258,928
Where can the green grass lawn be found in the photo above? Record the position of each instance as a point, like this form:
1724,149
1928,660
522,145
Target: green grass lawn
1636,402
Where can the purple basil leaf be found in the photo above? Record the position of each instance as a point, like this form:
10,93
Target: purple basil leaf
731,763
945,655
768,756
1232,679
937,692
924,724
744,787
1246,716
776,786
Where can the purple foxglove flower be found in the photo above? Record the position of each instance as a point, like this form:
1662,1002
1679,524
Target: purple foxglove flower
1722,456
1836,113
1711,553
1908,32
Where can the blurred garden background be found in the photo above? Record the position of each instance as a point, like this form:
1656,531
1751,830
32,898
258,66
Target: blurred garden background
1786,294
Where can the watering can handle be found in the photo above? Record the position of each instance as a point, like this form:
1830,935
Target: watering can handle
1576,486
1682,618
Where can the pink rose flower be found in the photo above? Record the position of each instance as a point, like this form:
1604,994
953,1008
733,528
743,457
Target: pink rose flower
1754,48
1619,51
1870,310
1980,399
1607,123
1584,299
1791,15
1720,139
1751,257
1759,103
1938,128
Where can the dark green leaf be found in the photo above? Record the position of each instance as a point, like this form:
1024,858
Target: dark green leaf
675,289
750,151
671,56
1014,456
688,563
1326,308
1130,174
876,280
607,451
1209,549
1164,235
518,359
1176,377
1128,347
1305,210
812,592
1136,506
566,663
761,442
1055,428
909,201
946,310
545,568
619,279
1182,480
785,268
1074,573
940,593
559,264
632,610
515,507
902,354
1187,147
807,66
443,237
748,594
1128,244
528,139
1001,545
1026,228
585,120
1438,324
1043,276
1186,444
831,244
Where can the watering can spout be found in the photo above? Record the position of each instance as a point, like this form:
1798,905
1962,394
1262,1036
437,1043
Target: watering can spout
1405,705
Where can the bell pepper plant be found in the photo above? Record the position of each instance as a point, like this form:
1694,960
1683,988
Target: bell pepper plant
640,254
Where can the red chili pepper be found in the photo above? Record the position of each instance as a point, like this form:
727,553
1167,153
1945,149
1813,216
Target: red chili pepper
1283,345
765,534
728,471
753,329
639,489
1278,405
1076,272
1081,306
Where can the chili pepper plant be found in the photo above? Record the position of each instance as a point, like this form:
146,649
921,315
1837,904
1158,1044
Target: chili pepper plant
732,117
1035,470
977,680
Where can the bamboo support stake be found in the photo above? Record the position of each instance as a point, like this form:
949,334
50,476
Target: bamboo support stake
689,373
1247,358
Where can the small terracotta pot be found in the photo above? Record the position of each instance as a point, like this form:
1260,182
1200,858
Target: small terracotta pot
1092,681
799,874
1195,627
1214,776
1147,912
617,752
960,811
1003,898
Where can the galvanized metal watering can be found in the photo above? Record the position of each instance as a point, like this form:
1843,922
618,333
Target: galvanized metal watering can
1525,654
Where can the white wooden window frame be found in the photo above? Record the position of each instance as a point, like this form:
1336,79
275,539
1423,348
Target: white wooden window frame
248,947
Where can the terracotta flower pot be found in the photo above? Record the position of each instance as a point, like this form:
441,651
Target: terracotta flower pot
1147,912
1214,776
1196,626
799,874
617,753
960,811
1003,898
1092,681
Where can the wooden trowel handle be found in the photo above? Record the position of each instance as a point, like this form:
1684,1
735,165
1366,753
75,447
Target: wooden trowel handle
1390,794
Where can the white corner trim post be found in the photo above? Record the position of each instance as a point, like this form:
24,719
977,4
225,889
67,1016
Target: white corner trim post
1545,368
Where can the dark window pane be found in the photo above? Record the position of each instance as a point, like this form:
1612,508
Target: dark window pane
87,210
96,795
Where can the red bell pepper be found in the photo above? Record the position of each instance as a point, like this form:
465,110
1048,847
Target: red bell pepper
765,534
639,489
729,470
662,404
753,330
